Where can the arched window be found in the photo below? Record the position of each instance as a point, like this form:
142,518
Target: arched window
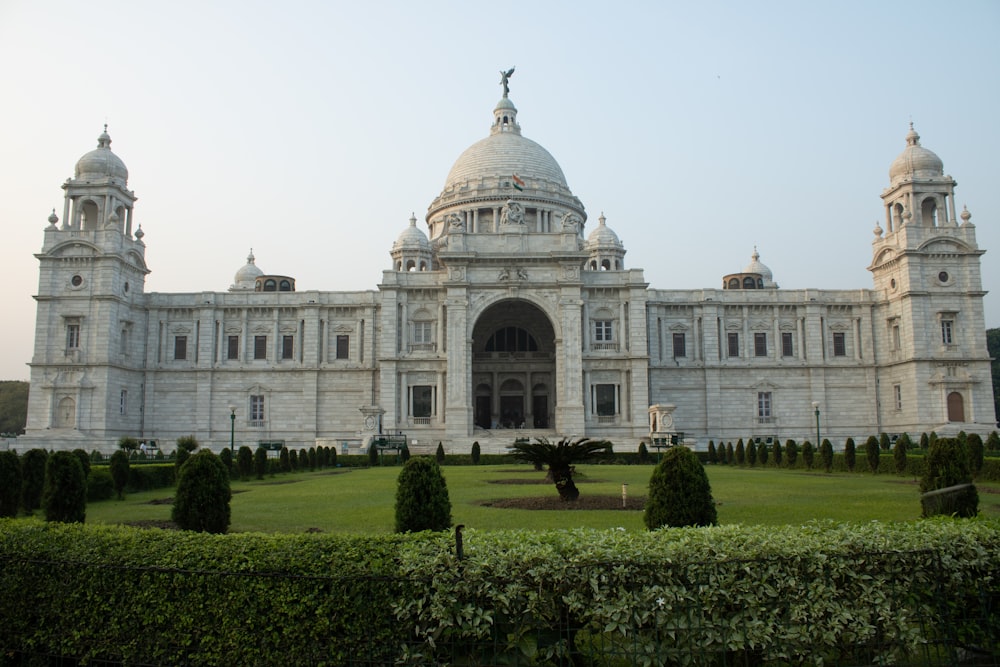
734,283
270,285
749,283
956,407
928,212
411,265
285,286
511,339
605,265
897,216
88,216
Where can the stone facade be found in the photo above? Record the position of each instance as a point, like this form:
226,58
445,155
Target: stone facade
506,320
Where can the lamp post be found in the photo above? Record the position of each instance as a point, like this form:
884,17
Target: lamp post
816,408
232,428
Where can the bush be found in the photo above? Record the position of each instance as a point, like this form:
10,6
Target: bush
84,460
791,453
128,444
883,442
100,486
807,454
679,492
422,501
476,453
226,456
283,463
643,453
333,457
850,454
777,452
974,444
203,494
244,462
260,462
10,484
404,454
993,442
872,453
181,456
730,454
65,496
119,471
188,443
373,455
712,456
313,463
948,466
33,478
899,455
439,454
762,453
826,455
740,453
752,453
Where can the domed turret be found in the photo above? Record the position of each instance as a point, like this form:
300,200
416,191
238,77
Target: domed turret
412,249
756,275
915,161
246,277
101,163
605,248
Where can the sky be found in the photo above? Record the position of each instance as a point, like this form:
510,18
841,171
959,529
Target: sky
309,131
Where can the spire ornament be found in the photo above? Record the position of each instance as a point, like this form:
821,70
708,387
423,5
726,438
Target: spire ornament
504,78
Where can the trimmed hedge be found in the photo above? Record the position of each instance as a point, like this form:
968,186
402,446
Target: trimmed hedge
190,598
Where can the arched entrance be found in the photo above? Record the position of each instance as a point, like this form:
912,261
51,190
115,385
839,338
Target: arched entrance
66,413
513,367
956,407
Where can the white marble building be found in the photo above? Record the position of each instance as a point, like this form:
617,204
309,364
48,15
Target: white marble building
508,317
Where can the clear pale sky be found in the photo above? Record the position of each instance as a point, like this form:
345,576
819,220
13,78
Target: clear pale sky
309,131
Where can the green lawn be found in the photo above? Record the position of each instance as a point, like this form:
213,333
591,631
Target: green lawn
361,500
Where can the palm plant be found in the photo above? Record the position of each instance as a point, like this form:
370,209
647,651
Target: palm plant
561,458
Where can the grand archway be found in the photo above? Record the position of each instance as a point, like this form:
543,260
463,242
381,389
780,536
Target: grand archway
514,367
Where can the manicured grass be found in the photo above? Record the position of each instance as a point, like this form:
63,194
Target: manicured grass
350,500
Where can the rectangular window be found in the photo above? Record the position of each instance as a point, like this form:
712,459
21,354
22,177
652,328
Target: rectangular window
897,396
180,347
760,344
839,344
343,346
287,347
734,344
123,349
602,331
787,350
72,336
423,401
256,410
422,333
123,403
947,332
679,346
604,400
233,343
763,407
260,347
896,343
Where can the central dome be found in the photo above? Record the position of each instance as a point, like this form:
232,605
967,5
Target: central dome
501,155
101,163
502,165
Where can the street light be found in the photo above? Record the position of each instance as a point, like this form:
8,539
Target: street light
232,428
816,408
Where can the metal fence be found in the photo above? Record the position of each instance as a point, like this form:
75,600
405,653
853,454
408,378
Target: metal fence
949,632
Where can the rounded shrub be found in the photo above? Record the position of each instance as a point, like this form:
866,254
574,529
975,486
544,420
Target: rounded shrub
679,492
850,454
332,459
808,454
899,455
64,498
948,467
283,463
752,453
826,455
475,453
84,460
260,462
226,456
119,471
439,454
188,443
791,453
203,494
974,445
404,454
776,450
422,501
762,453
244,462
372,455
741,453
32,478
872,453
713,457
10,484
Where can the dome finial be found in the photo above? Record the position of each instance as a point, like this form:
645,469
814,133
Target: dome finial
504,78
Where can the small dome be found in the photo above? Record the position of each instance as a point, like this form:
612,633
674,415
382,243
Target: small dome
603,236
247,275
915,161
758,267
101,163
412,238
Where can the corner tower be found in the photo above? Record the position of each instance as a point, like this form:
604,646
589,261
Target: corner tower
86,372
929,321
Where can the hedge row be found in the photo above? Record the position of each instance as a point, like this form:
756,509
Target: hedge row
820,593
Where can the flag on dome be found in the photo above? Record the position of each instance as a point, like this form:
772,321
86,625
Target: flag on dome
518,183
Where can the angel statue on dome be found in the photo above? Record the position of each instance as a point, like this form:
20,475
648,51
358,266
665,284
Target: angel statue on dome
504,77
